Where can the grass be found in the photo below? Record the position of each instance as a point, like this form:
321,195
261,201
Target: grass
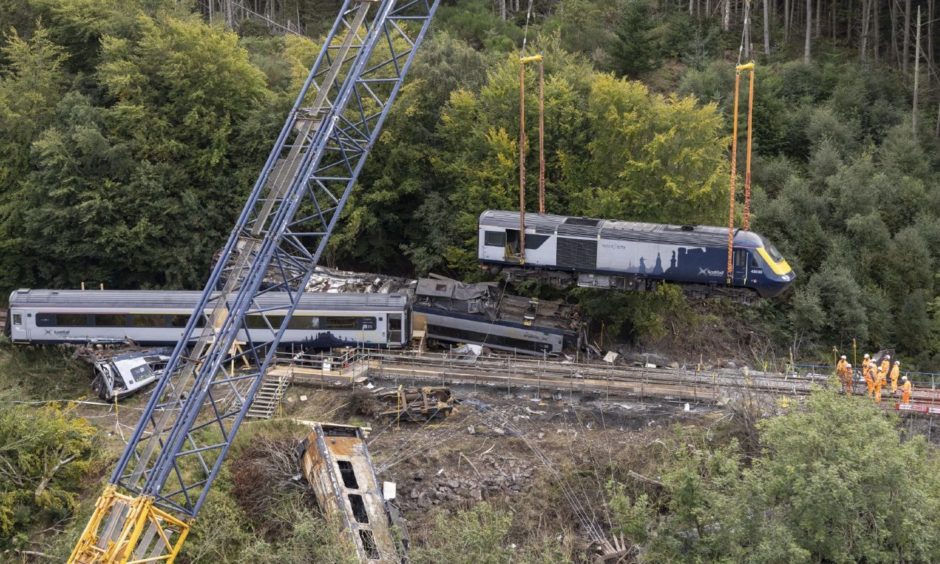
41,373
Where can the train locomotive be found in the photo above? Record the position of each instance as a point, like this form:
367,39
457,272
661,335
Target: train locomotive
630,255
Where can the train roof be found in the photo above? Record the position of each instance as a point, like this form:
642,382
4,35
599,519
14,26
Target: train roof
572,226
170,299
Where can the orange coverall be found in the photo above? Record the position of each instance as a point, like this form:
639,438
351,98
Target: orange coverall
879,382
870,373
906,392
895,373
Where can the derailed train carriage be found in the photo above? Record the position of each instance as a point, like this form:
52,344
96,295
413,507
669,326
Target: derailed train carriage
449,312
150,317
630,255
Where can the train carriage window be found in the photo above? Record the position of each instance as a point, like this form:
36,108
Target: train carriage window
304,322
73,320
180,321
494,238
45,320
533,242
108,320
148,320
17,319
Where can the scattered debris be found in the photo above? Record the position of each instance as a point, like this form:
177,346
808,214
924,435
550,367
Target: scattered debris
337,465
415,404
123,374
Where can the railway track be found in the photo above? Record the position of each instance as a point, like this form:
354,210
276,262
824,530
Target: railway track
552,376
560,378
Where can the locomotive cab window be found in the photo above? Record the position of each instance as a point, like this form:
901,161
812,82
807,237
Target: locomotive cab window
17,319
494,238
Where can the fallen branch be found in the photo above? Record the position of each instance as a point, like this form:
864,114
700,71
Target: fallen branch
48,477
642,478
471,464
35,553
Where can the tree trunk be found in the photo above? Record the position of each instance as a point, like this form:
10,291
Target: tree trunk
502,9
848,24
895,53
863,37
726,16
766,29
809,31
906,42
818,17
916,74
876,26
786,21
930,16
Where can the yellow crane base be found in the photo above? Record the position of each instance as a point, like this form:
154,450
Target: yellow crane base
146,534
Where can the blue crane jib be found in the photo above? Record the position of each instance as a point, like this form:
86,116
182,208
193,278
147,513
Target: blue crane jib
177,448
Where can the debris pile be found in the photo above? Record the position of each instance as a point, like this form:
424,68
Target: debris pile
339,281
487,476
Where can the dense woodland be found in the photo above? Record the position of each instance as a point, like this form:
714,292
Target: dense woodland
130,133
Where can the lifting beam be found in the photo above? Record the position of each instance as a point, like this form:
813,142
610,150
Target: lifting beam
522,145
732,189
194,412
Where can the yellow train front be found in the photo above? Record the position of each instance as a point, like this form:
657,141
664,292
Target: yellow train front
632,255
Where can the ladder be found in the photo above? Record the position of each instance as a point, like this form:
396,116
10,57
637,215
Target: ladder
178,447
268,397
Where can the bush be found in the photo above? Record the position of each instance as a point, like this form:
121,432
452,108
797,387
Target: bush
45,454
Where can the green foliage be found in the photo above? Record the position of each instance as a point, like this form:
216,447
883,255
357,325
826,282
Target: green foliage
835,482
45,454
634,53
481,534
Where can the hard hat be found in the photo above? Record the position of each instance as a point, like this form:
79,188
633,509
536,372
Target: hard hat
847,365
887,356
897,362
904,377
867,355
843,357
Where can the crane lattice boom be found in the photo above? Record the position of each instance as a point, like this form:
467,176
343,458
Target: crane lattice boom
178,447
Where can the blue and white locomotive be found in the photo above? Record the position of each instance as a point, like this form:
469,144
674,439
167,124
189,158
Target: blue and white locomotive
630,255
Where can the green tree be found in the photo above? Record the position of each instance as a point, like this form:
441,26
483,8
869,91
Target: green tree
45,454
635,51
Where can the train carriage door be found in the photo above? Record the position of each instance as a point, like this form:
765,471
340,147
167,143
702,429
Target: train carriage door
741,258
394,328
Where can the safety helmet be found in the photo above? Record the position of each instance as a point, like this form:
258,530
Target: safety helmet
904,377
843,357
887,356
898,362
867,355
847,365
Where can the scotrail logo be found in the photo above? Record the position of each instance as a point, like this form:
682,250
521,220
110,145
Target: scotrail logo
707,272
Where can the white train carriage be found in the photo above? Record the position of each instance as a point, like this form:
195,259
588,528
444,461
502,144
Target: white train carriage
158,318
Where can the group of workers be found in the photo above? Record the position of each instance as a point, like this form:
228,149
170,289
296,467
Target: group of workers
876,376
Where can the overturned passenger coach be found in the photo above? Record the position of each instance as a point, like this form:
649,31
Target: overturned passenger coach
631,255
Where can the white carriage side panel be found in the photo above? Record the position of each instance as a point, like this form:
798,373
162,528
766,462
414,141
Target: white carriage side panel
545,254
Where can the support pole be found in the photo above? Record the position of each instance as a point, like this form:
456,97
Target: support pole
522,161
522,145
541,137
747,166
732,188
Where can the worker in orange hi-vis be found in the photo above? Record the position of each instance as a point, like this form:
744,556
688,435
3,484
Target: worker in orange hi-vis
847,376
865,363
885,364
895,372
906,391
840,366
870,372
879,382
